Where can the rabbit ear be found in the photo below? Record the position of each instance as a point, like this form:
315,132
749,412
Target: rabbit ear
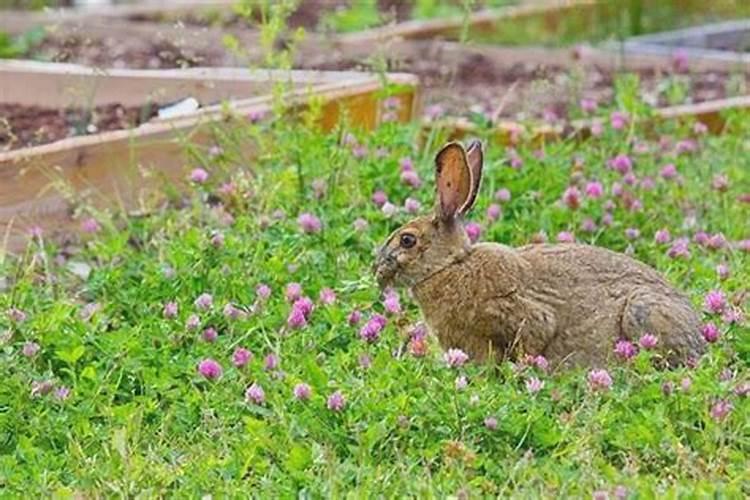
475,157
453,179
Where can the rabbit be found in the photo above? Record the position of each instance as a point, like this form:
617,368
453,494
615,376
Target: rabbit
570,303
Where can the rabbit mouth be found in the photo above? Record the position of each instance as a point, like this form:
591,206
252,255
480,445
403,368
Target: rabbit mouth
385,270
384,277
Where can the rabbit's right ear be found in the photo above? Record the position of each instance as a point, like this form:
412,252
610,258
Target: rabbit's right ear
453,179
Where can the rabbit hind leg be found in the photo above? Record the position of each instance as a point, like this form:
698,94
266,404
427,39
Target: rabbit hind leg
668,317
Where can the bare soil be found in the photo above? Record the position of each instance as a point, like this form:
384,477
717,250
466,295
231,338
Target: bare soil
480,85
24,126
307,15
155,53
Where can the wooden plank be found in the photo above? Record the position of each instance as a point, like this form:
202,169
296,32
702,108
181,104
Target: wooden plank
60,85
124,168
11,19
710,113
173,7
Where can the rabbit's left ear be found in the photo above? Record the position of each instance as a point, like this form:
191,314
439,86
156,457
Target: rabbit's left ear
475,159
453,179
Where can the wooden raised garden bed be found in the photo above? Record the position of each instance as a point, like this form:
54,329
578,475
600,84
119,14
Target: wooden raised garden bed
128,166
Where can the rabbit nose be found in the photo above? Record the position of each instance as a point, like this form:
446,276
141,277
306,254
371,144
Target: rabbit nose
380,256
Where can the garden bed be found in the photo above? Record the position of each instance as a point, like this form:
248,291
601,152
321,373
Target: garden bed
540,85
119,166
307,14
110,43
159,52
175,34
331,16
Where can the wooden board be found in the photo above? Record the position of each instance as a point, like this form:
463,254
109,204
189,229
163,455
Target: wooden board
59,85
13,20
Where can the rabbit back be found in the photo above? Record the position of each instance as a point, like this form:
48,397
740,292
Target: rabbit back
607,296
570,303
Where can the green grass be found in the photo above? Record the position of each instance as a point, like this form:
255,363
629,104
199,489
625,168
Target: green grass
141,421
365,14
612,20
20,46
32,4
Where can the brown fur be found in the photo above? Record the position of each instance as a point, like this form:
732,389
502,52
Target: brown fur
569,302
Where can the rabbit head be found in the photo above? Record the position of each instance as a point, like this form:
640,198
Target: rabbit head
430,243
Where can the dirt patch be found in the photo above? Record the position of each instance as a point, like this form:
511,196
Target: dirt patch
309,13
24,126
306,15
111,52
478,85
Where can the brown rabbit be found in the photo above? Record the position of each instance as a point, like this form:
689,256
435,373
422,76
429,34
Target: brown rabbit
570,303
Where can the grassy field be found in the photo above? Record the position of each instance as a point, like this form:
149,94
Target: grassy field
231,342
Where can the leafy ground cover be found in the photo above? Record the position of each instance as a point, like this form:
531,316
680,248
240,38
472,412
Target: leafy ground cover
612,20
234,342
366,14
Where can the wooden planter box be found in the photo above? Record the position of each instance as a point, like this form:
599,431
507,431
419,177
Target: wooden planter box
126,167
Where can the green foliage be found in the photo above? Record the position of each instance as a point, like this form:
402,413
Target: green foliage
612,20
360,16
365,14
33,4
141,421
21,45
275,39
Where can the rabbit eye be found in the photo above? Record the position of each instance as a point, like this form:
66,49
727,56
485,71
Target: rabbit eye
408,240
